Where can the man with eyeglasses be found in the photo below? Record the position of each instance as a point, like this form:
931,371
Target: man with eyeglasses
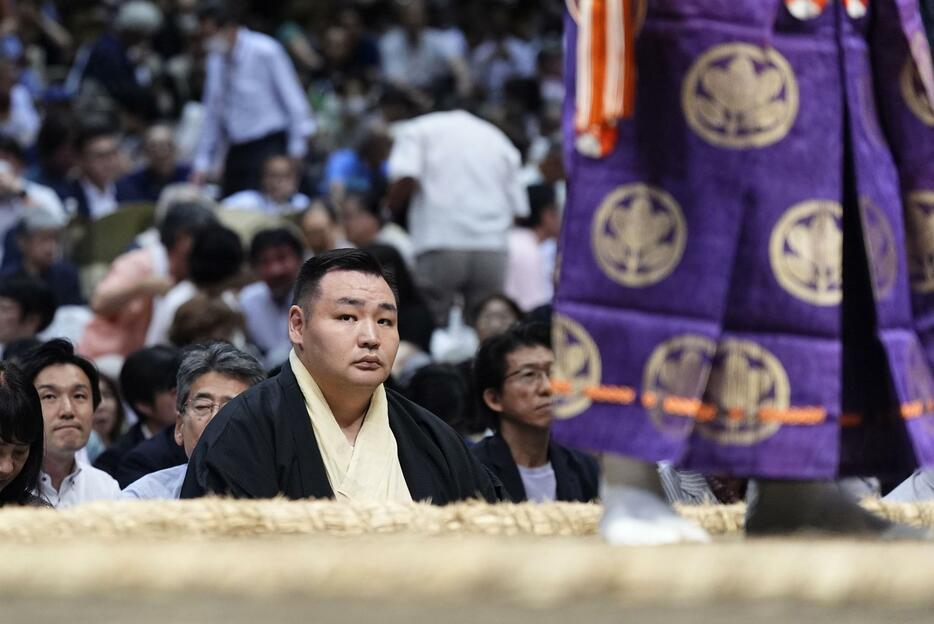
512,372
210,375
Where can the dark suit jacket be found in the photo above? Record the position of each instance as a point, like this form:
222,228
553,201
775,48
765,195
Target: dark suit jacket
158,452
109,460
576,474
262,444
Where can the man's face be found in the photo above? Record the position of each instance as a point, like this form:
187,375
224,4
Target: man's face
100,160
525,398
11,321
40,248
279,179
210,392
318,230
278,267
349,335
360,227
159,148
67,408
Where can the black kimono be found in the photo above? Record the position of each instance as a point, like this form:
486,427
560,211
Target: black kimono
262,444
576,474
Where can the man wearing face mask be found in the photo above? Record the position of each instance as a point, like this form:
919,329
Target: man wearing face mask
253,100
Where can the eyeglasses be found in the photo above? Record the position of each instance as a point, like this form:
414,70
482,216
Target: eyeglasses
203,408
530,376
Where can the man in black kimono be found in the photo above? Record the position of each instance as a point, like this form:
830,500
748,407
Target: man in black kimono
326,427
512,373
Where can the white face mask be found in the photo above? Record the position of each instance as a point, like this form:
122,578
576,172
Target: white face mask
217,43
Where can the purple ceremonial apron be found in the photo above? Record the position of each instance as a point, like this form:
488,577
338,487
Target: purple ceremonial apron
747,280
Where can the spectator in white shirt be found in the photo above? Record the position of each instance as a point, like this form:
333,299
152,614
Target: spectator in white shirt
18,116
69,392
210,375
252,98
278,190
530,270
459,177
276,256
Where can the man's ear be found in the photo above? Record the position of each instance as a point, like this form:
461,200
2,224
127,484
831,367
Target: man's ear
178,430
296,324
493,400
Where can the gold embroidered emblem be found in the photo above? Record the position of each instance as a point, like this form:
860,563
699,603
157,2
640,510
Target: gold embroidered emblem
919,215
913,92
806,251
638,235
577,365
745,378
880,248
678,367
739,95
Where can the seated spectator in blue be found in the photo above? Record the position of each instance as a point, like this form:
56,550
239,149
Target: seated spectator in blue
148,383
276,256
278,193
17,195
360,169
38,238
21,437
18,116
161,168
210,375
27,306
93,193
112,65
512,372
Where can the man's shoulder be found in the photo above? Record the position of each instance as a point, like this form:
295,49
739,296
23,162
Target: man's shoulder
98,479
261,43
580,459
159,484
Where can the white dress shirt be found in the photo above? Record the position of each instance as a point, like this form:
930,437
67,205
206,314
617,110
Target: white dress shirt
468,181
267,320
100,203
166,483
85,484
250,93
255,200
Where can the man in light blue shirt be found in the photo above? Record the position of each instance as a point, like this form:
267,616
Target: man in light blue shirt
253,101
210,375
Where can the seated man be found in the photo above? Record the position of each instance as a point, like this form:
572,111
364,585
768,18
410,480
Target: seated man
69,391
27,306
512,375
276,256
161,169
319,225
148,383
210,376
278,192
326,426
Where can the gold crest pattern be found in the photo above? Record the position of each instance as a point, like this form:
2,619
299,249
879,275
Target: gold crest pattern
638,235
880,247
678,367
738,95
919,214
744,378
577,364
913,92
806,252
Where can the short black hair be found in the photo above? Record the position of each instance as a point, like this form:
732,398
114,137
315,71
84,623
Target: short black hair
147,372
322,203
443,391
12,147
20,423
32,296
541,198
223,12
90,132
183,218
216,255
315,268
489,365
275,237
60,351
510,303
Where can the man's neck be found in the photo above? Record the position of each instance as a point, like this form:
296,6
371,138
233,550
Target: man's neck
58,467
528,445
